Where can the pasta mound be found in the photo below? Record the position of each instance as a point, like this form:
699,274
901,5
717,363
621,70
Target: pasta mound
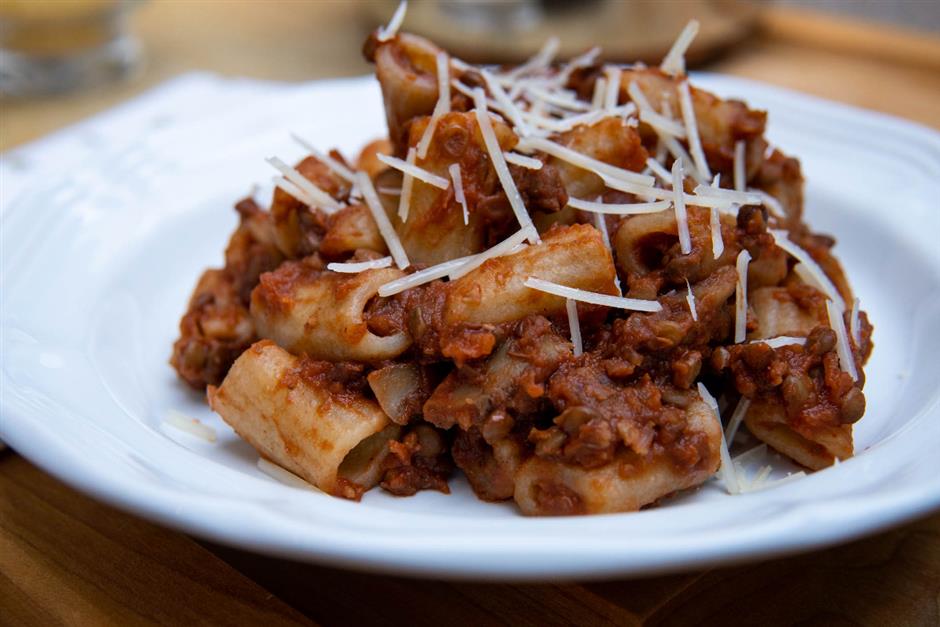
541,277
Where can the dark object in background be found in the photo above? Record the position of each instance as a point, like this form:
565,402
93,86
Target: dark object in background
508,31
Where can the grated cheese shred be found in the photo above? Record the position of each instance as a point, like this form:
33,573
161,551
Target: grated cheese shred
442,106
341,170
737,416
454,170
726,471
293,190
320,198
691,130
854,327
618,208
740,171
674,61
381,220
417,172
690,299
506,247
781,340
714,223
843,348
810,272
360,266
600,222
407,182
612,94
427,275
502,170
190,425
387,32
585,162
678,202
740,297
605,300
574,324
523,161
600,93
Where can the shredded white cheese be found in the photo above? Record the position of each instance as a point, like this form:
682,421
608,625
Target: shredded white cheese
779,482
737,416
585,162
502,170
523,161
843,348
854,327
420,278
760,480
758,452
341,170
770,202
618,208
812,274
580,61
389,191
690,299
740,171
740,297
674,61
360,266
442,106
540,61
678,202
662,124
657,168
387,32
574,324
407,182
741,198
726,471
600,222
781,340
506,247
606,300
565,102
454,170
714,222
190,425
613,74
293,190
320,198
419,173
691,130
600,92
509,107
285,476
381,220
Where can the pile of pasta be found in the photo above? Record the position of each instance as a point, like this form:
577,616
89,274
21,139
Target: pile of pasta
544,277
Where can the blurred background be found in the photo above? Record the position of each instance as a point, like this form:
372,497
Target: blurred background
61,60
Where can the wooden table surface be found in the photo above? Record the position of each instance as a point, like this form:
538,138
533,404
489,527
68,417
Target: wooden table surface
65,558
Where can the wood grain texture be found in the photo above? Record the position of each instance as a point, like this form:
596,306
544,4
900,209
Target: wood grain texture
66,559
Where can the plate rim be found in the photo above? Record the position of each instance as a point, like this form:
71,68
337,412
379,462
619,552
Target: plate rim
45,450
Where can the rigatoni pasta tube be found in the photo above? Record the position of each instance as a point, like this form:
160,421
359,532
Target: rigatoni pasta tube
495,292
320,313
545,488
283,406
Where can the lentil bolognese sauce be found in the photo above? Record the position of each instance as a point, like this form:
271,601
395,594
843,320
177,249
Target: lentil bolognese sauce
543,277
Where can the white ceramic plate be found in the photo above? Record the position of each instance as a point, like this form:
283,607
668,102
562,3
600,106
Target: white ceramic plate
106,225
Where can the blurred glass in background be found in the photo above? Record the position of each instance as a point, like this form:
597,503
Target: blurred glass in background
51,46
